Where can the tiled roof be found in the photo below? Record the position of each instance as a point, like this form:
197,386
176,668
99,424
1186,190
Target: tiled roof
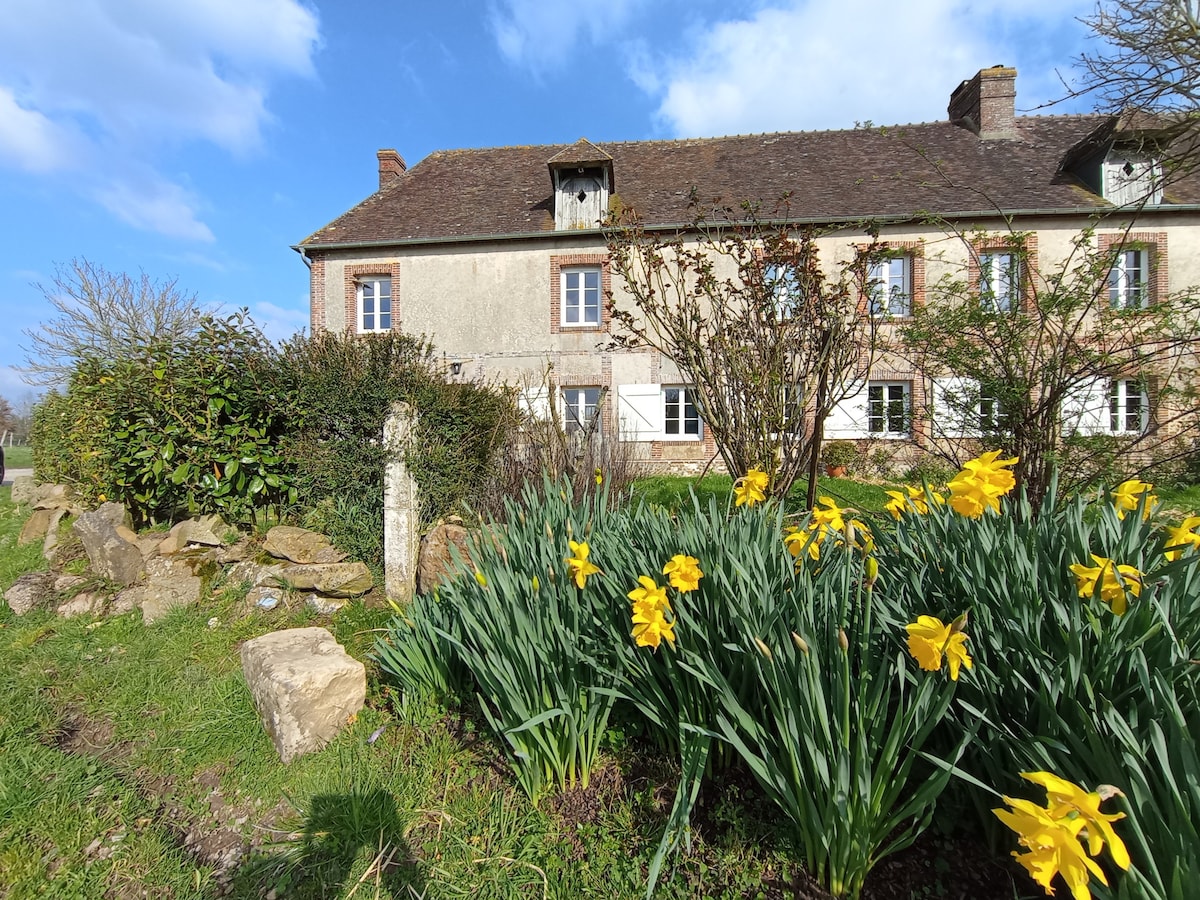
830,175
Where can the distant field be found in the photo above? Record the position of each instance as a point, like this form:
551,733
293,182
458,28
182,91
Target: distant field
18,457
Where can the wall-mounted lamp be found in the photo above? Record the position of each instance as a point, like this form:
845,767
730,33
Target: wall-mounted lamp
456,368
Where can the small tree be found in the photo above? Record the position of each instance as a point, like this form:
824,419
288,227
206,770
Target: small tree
1026,361
8,419
744,309
103,316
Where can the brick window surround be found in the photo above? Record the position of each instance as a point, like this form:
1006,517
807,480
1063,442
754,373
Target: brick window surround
915,251
351,277
569,261
1155,245
1026,251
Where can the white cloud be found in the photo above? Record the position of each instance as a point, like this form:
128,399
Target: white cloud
811,64
154,204
541,34
87,87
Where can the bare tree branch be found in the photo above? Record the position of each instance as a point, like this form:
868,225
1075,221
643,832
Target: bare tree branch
103,314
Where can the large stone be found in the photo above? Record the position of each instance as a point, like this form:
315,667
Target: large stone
24,489
111,555
204,530
299,545
52,496
29,592
350,579
305,687
434,562
35,527
168,586
85,603
50,542
254,574
116,513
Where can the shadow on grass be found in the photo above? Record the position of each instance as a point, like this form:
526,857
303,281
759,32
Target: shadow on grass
348,844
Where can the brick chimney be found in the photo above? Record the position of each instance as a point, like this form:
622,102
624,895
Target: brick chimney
986,104
391,166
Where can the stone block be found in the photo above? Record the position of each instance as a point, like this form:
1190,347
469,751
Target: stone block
299,545
305,687
111,555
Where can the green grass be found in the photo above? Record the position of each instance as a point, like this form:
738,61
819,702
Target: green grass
671,491
18,457
116,735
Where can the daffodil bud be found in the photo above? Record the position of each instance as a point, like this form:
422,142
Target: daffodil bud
801,644
535,583
872,569
843,641
570,531
763,648
550,574
549,532
959,625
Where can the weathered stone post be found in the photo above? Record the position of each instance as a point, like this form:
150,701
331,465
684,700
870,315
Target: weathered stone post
401,540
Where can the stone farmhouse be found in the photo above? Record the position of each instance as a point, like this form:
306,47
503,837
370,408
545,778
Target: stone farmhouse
498,255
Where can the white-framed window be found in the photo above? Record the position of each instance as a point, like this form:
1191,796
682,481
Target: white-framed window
1128,407
1127,279
681,419
580,408
888,408
581,296
999,280
374,296
993,416
784,287
891,286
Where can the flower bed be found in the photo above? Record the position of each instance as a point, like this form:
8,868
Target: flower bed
861,674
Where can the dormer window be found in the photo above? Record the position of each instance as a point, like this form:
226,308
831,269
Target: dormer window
581,199
582,175
1131,178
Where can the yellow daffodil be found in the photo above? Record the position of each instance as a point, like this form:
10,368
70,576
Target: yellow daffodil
751,488
684,572
1052,847
1053,836
650,627
578,563
650,604
650,592
828,520
916,501
1182,536
929,640
599,475
1129,494
1116,582
102,499
481,578
981,484
1066,799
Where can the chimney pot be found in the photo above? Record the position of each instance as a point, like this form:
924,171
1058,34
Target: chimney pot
391,166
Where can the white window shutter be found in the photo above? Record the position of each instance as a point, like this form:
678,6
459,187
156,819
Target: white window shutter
640,412
952,417
848,418
1085,408
535,403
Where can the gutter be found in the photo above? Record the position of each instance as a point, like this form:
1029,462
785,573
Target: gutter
894,219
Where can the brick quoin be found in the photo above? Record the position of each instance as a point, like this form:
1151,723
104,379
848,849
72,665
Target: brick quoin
316,281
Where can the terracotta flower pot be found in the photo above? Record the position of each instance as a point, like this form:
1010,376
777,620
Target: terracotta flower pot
835,471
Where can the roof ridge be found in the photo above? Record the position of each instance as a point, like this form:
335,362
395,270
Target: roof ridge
866,126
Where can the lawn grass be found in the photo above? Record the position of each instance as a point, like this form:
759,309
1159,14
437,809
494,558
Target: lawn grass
130,752
18,457
672,491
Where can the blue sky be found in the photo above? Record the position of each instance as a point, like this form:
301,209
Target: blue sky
200,139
